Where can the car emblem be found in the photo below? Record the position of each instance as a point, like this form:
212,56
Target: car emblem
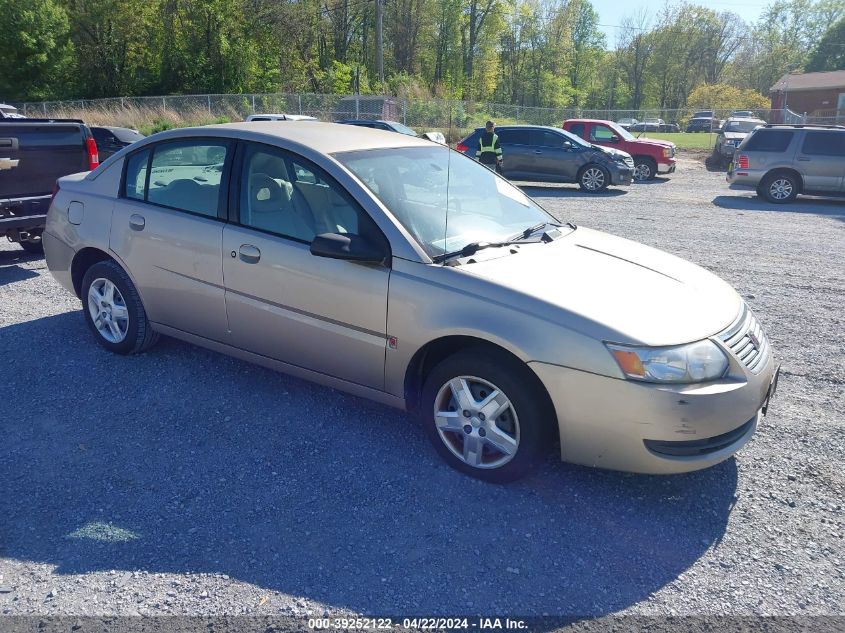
754,340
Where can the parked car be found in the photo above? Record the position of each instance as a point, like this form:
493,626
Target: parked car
651,156
627,123
743,114
9,112
33,154
670,127
280,117
547,154
704,124
379,124
649,125
113,139
396,269
732,134
781,161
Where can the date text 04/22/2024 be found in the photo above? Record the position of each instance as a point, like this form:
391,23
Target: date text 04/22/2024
418,623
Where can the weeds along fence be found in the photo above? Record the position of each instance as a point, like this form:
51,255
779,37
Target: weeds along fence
454,117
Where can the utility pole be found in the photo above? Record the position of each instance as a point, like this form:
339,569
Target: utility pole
380,40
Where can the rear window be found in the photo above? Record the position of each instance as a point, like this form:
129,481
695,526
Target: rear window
45,136
824,143
513,137
769,140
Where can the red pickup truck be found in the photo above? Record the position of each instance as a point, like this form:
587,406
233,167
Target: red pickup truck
651,156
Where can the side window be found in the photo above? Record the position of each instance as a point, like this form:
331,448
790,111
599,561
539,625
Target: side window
513,137
601,133
824,143
186,175
293,198
136,175
544,138
577,129
769,141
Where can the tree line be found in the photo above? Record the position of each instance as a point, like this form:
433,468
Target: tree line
548,53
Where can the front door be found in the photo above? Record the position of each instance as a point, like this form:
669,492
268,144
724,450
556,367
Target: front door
321,314
167,227
552,159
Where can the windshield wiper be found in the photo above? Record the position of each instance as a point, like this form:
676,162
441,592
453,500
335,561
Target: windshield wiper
520,238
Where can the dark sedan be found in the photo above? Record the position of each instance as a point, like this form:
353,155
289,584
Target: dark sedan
113,139
702,124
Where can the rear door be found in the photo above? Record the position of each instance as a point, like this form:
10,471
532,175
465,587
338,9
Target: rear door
552,161
167,227
821,160
45,152
517,160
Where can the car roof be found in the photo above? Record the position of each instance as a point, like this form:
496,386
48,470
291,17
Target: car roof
326,138
525,127
605,121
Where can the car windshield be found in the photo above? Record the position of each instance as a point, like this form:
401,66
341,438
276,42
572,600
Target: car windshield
741,126
402,129
622,132
444,199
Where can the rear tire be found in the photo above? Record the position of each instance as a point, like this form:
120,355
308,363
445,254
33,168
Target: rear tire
593,178
113,310
779,187
503,444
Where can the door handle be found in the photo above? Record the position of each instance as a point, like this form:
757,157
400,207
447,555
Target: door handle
249,253
804,159
137,222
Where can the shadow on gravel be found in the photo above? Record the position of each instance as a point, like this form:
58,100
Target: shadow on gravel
565,191
10,271
819,206
657,180
182,460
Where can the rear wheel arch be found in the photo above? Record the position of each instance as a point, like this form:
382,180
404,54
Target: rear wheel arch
786,171
432,353
82,261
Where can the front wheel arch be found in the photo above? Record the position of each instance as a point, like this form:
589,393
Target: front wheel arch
592,165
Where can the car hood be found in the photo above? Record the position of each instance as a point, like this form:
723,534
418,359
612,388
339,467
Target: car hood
612,151
653,142
614,289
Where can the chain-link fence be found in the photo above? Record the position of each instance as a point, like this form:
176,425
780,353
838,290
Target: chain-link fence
451,116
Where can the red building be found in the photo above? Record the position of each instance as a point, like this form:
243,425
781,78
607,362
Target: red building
818,95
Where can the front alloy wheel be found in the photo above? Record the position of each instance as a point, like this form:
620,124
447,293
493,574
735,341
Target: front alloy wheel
643,171
593,179
477,422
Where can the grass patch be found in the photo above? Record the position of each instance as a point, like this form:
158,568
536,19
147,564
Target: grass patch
692,140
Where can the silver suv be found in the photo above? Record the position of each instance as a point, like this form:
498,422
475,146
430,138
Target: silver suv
781,161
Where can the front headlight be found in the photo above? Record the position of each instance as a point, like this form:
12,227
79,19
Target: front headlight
695,362
667,152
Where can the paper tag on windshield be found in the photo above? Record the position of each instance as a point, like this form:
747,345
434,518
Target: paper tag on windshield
507,189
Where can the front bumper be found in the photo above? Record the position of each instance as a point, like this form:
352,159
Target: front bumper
649,428
667,167
621,175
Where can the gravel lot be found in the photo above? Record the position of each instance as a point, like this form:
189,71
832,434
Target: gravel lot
185,482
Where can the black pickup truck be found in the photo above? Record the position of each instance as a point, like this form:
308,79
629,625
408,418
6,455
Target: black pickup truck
34,153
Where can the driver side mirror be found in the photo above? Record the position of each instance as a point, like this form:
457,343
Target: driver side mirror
614,139
347,246
567,145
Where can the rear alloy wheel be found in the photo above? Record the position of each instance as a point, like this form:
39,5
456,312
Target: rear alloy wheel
113,310
485,417
644,169
593,178
779,188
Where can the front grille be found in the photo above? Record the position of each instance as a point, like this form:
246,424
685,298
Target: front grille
746,339
671,152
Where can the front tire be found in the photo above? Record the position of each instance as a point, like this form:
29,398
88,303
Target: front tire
779,188
486,415
644,169
593,178
113,310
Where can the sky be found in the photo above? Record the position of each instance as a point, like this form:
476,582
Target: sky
611,11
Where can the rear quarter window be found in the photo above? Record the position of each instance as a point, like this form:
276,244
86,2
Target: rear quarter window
769,140
824,143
